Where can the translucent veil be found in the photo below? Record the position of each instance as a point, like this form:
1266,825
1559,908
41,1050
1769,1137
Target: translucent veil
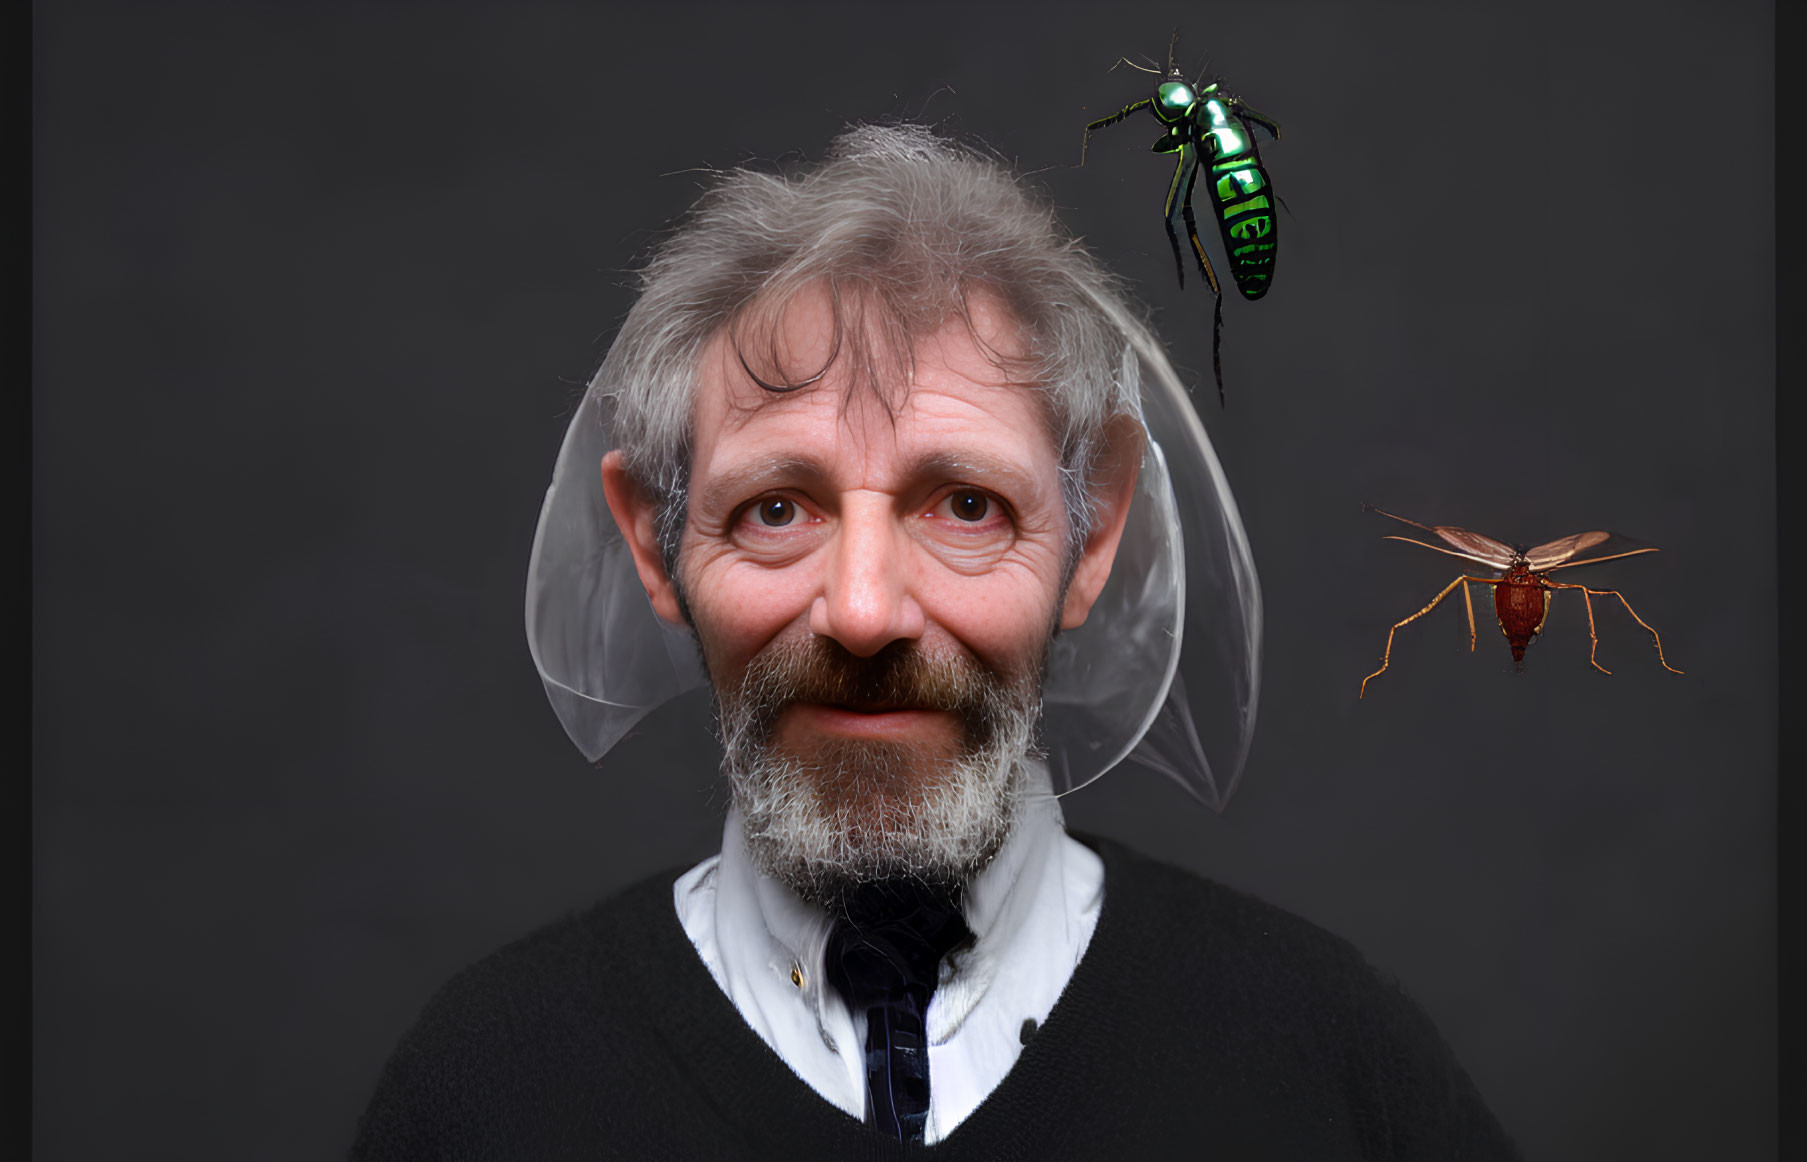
1166,670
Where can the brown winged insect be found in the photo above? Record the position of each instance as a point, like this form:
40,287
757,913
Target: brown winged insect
1522,592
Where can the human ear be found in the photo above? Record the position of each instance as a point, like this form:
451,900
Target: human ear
1113,487
636,515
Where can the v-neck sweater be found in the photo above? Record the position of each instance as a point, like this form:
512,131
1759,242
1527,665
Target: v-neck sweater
1201,1022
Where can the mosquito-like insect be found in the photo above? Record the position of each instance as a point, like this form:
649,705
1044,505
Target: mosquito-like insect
1209,127
1522,592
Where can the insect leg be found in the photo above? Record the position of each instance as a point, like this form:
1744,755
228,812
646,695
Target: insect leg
1189,155
1204,262
1217,347
1106,122
1266,122
1469,602
1387,656
1585,594
1592,637
1184,172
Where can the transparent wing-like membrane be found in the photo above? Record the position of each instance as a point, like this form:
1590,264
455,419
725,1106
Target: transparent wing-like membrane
1166,668
606,658
1556,552
1170,676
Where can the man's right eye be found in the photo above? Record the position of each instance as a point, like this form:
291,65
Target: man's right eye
776,512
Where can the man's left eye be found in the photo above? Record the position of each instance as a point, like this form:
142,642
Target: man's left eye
970,506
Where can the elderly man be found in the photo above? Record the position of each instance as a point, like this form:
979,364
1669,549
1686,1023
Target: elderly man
874,436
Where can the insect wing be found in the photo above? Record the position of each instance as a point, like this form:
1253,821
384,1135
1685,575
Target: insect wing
1556,552
1474,546
1441,549
1477,546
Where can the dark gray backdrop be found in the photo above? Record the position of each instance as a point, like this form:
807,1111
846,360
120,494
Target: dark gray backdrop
315,289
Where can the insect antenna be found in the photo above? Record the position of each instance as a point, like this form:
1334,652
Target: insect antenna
1123,60
1171,42
1203,72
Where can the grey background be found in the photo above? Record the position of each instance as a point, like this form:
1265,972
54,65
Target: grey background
314,289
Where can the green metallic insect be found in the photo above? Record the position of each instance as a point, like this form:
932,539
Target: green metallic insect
1212,129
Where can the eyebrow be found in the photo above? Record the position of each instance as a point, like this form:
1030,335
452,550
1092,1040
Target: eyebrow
980,468
748,480
741,483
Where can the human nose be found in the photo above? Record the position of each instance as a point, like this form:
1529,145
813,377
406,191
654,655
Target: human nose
866,602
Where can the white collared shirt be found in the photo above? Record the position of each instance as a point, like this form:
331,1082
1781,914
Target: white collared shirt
1031,911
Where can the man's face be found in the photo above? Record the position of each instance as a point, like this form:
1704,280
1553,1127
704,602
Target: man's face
874,590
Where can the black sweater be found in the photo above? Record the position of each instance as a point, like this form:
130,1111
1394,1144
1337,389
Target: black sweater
1201,1022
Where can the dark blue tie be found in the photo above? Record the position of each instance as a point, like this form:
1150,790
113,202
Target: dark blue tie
884,957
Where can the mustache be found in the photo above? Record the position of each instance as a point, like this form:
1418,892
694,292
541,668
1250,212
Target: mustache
899,677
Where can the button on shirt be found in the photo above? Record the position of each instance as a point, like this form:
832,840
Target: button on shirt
1031,911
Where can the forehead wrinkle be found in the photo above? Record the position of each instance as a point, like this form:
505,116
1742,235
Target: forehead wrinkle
943,424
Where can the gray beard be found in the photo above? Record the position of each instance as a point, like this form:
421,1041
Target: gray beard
860,812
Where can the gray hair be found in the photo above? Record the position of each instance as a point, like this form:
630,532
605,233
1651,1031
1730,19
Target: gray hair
901,226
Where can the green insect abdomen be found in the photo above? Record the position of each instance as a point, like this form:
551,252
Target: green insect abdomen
1245,209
